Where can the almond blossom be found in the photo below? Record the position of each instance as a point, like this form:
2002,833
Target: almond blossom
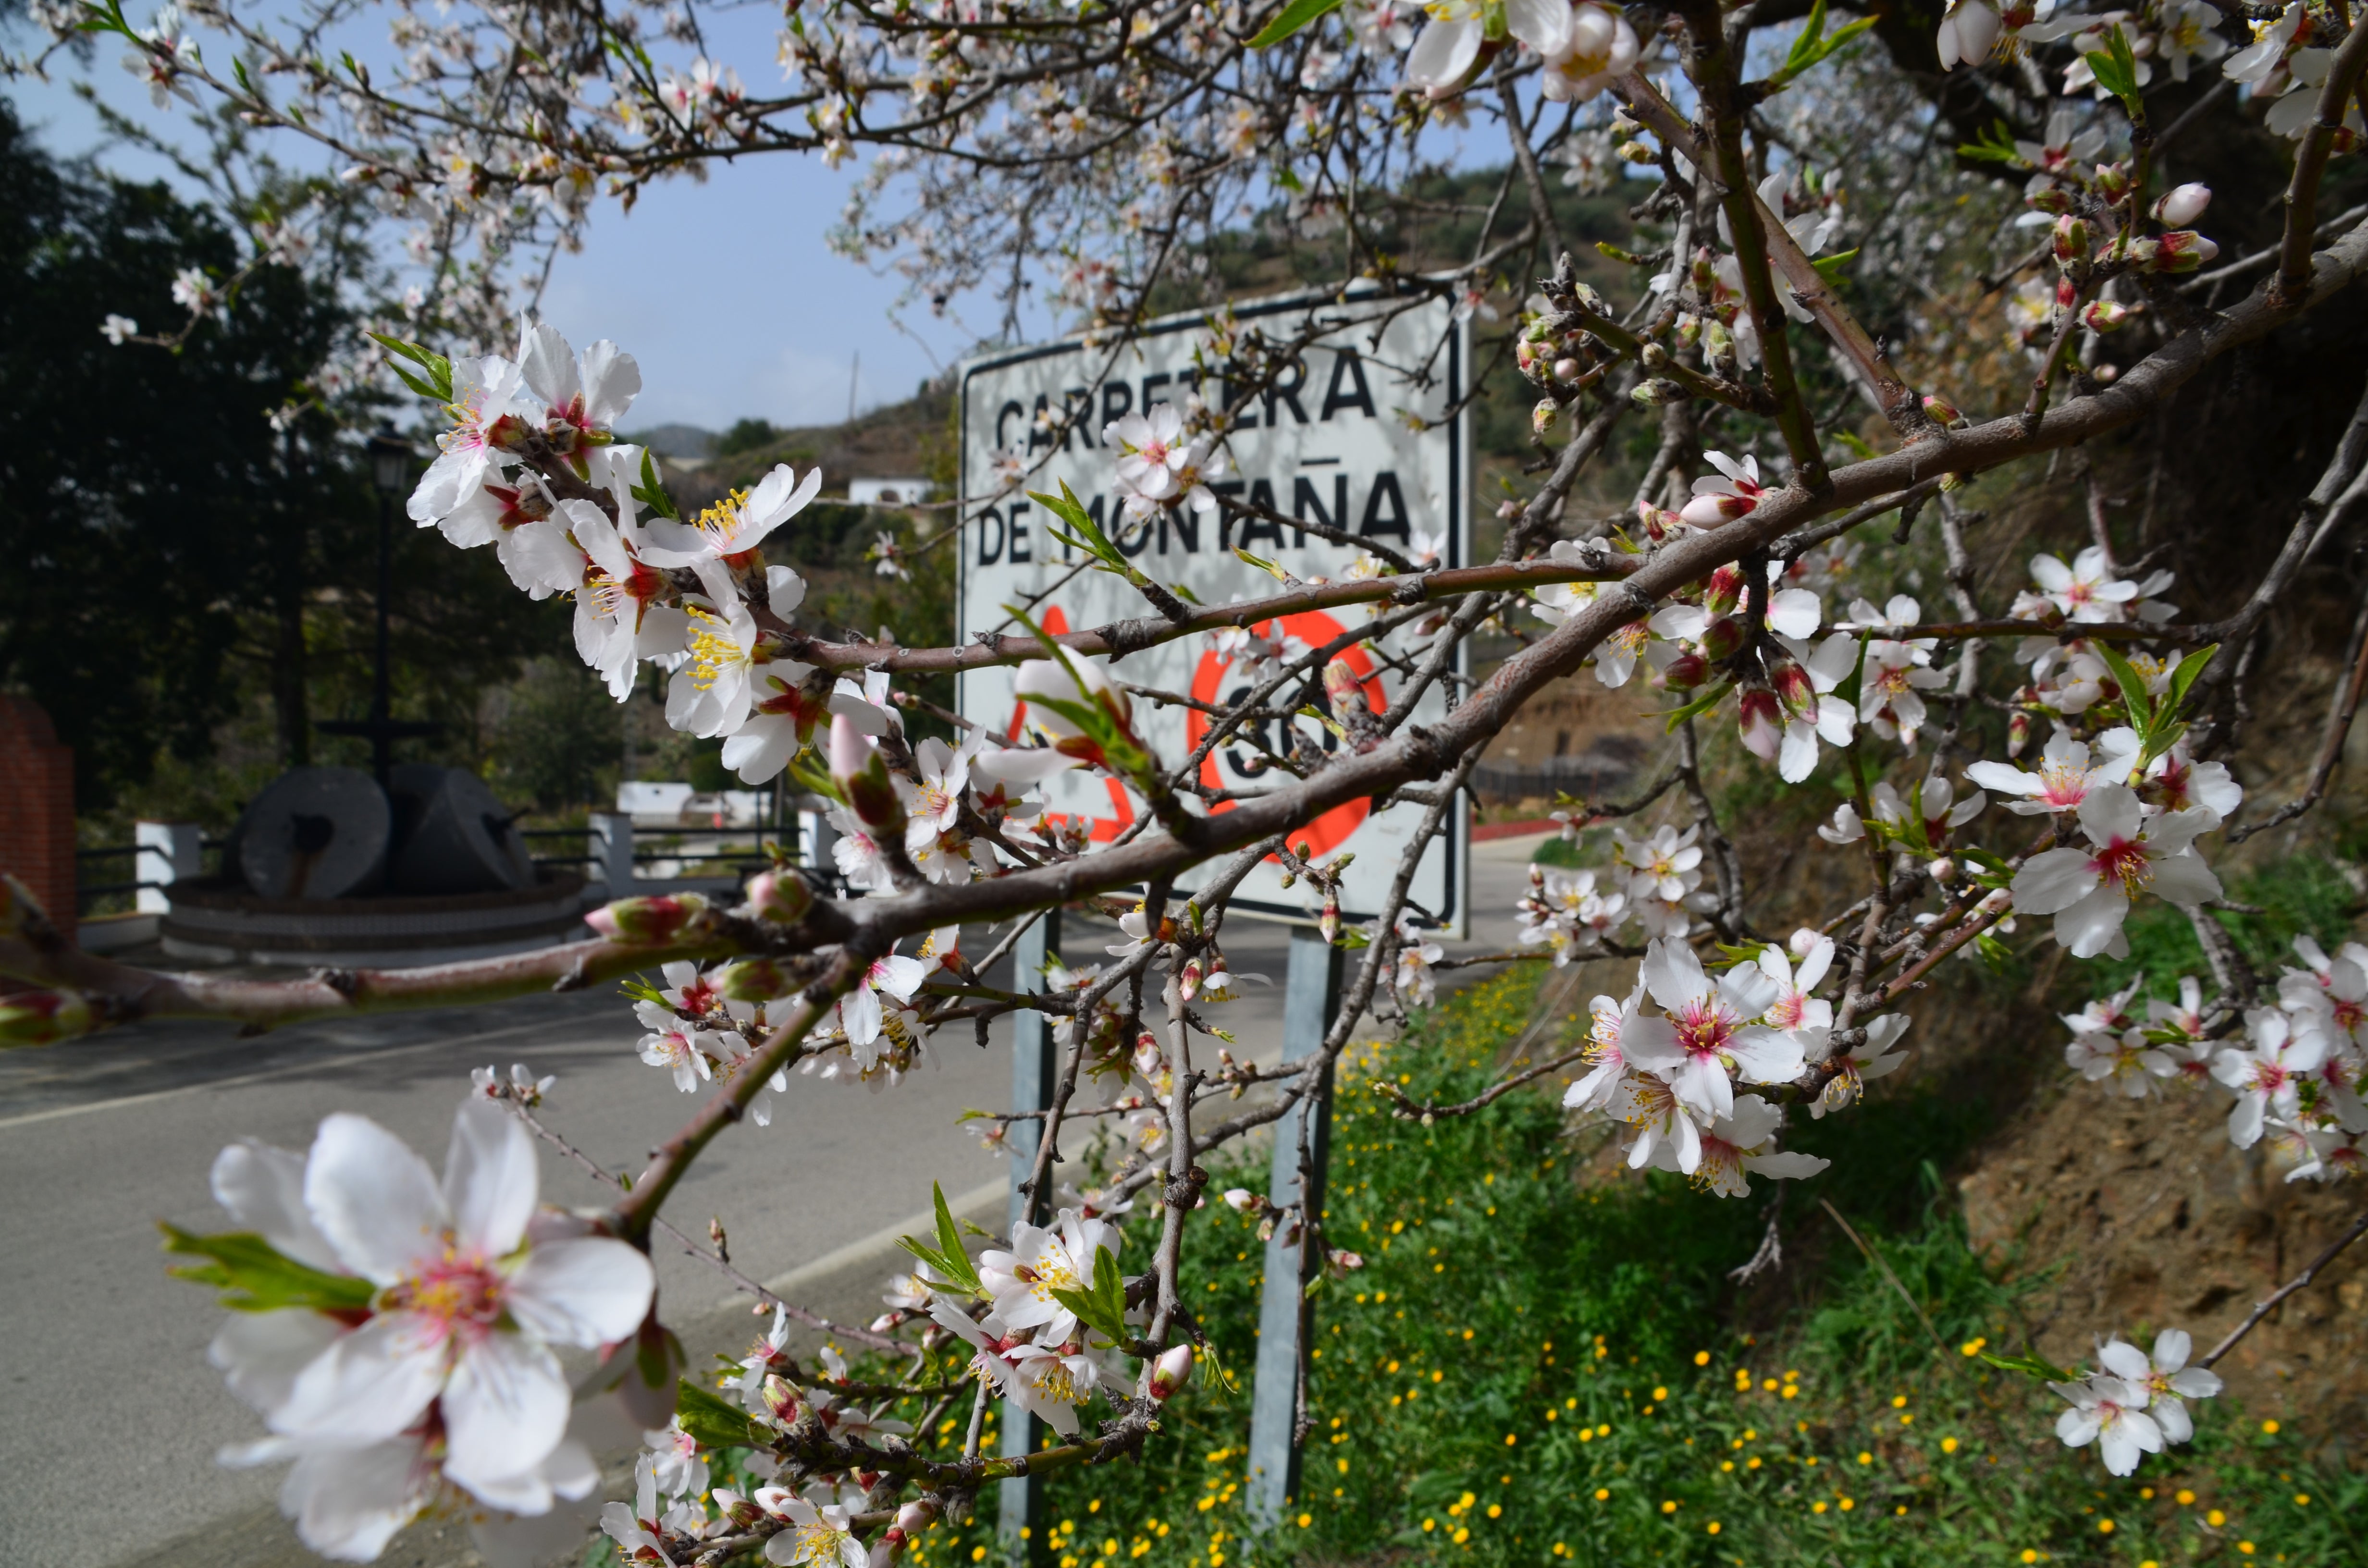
1736,1147
1707,1041
2268,1075
1043,1259
1854,1067
2089,890
2065,773
2110,1413
1722,500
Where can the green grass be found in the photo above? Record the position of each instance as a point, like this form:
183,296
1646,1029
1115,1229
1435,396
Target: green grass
1537,1369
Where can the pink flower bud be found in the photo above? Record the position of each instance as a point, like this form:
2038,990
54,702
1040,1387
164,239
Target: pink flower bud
2018,734
1329,922
2071,240
1943,871
2053,199
1723,589
754,979
1343,690
1187,981
1567,369
1543,417
2179,207
1943,413
1242,1200
863,777
1793,688
2103,315
784,896
2183,250
2112,181
1760,721
1171,1372
1685,672
645,922
912,1519
1720,638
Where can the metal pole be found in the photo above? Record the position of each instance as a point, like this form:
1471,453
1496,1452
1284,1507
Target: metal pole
382,710
1310,993
1020,1514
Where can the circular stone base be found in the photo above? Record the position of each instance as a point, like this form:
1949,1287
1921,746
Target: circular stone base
219,923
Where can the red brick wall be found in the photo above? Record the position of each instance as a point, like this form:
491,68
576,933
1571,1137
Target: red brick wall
37,807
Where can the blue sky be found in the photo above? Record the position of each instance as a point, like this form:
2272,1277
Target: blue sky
725,291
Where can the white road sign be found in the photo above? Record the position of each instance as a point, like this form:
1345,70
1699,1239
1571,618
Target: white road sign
1334,446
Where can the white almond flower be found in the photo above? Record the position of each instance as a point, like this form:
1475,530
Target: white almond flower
466,1309
1043,1259
733,527
2165,1377
997,1362
2067,772
2089,890
2110,1413
1793,1008
1708,1040
817,1537
1601,47
582,399
1968,32
1608,1028
485,392
1858,1066
2267,1076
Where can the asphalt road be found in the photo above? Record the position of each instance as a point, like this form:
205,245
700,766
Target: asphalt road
114,1414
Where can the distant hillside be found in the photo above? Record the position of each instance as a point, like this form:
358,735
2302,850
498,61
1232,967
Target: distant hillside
673,440
905,439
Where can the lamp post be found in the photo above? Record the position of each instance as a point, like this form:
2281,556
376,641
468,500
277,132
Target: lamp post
390,458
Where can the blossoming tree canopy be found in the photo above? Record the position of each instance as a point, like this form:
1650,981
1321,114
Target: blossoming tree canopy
1208,655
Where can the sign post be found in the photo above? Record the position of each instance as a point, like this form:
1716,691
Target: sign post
1302,1141
1020,1499
1364,433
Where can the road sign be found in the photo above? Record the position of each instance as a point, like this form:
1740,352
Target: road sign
1369,436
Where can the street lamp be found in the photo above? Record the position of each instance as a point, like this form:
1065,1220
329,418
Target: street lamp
390,458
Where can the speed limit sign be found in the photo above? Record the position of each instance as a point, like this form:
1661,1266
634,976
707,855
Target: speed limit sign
1365,433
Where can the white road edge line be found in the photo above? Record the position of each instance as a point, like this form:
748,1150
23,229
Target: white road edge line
879,1244
286,1069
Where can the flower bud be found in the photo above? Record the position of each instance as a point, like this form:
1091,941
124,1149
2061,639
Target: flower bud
2103,315
1723,589
912,1519
1654,358
2183,250
862,779
1943,413
647,922
1526,353
782,1398
1760,722
2071,240
2113,180
2179,207
1342,1261
1171,1372
2051,200
1704,272
1344,690
1242,1200
1793,688
1329,922
1589,300
1802,941
2018,734
1187,980
1685,672
784,896
1720,638
1658,393
1543,417
1943,871
43,1017
753,980
1569,369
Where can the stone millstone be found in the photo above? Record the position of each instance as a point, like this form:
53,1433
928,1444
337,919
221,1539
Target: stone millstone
314,832
453,836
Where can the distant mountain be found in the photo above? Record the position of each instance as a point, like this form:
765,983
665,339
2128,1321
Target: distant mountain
674,441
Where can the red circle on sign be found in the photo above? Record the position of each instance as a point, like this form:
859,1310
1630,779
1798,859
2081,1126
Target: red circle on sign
1315,628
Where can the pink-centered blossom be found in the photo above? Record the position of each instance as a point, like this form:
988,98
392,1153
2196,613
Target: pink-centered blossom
2089,890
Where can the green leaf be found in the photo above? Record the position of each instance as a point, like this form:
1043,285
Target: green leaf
2139,701
948,1260
2185,676
650,491
2117,71
1284,177
253,1276
713,1421
1805,47
439,383
1703,704
1291,20
1994,147
2031,1366
1829,268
